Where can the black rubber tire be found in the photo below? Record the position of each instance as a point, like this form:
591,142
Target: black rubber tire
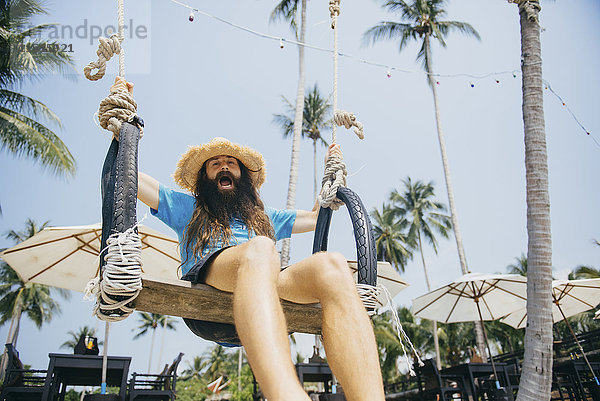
126,186
119,189
108,194
366,254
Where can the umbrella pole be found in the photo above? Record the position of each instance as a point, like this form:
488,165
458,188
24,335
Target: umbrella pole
487,343
577,341
104,359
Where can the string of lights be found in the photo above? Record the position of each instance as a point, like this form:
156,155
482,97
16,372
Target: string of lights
389,68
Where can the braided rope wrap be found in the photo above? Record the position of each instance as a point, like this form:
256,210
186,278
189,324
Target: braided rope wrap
333,178
121,277
116,108
106,49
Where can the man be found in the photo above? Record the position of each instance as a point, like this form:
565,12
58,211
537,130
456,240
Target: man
227,240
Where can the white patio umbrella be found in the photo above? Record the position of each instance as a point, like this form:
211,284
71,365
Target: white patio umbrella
569,297
474,296
67,257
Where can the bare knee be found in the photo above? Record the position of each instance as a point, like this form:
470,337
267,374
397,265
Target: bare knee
332,271
260,254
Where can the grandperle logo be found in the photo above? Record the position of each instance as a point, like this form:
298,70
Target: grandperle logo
63,33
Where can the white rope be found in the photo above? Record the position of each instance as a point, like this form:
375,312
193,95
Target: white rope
121,279
348,120
106,49
402,336
335,168
368,295
119,106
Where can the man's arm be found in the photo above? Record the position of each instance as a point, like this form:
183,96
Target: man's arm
148,189
306,220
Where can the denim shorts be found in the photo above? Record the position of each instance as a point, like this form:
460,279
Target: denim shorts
222,333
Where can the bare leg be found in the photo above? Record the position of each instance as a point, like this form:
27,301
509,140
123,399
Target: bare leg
347,332
251,271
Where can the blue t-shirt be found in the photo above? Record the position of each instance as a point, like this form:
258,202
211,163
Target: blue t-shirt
175,209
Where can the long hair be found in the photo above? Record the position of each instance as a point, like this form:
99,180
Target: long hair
210,222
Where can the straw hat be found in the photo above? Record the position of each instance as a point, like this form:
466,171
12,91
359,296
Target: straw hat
191,162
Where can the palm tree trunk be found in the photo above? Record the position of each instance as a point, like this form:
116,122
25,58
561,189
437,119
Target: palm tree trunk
436,341
453,215
162,343
13,332
536,377
15,321
315,169
151,348
291,197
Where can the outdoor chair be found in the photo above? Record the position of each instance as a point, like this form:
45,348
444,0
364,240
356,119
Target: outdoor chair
436,386
21,384
155,386
563,388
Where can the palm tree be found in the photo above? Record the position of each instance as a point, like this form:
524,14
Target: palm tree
392,242
75,336
22,119
455,342
519,267
585,272
421,21
536,378
149,321
219,363
195,368
425,217
315,118
288,10
168,323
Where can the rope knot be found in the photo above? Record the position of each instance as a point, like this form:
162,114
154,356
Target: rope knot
348,120
116,108
106,49
334,11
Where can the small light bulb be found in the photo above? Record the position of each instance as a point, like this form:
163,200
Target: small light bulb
281,43
472,84
497,81
389,73
437,82
514,74
191,17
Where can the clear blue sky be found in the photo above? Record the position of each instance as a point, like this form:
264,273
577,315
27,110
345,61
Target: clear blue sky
203,79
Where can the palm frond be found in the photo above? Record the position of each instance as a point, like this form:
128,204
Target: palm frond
28,106
22,135
286,10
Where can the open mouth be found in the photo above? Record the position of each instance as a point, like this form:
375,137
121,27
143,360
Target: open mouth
225,183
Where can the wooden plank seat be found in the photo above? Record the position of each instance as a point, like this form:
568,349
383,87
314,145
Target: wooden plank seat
19,383
203,302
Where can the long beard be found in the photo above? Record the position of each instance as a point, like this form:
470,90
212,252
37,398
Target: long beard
227,204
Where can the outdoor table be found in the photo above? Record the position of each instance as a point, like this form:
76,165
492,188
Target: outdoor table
471,371
84,370
575,368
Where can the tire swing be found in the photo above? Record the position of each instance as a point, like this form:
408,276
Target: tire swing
119,279
334,193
